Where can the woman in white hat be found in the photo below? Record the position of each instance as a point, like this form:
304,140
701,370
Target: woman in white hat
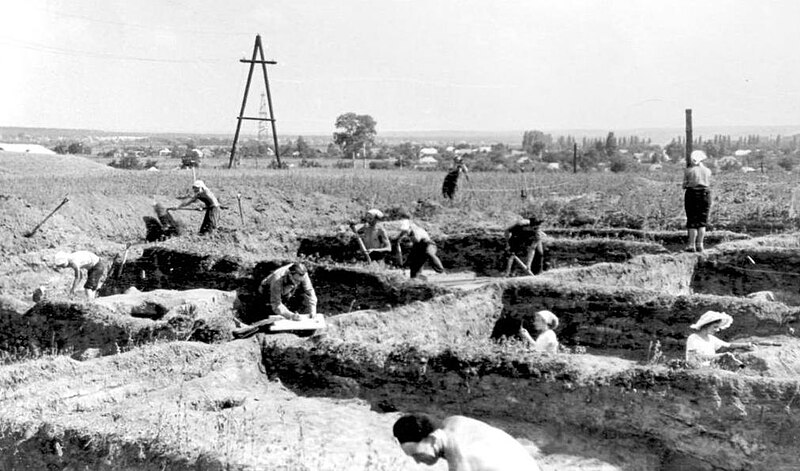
702,347
696,200
204,195
546,341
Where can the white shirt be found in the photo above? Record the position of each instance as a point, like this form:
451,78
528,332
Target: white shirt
83,259
546,342
702,350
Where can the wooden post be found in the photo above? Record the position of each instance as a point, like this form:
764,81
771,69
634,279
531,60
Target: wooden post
689,141
258,51
574,157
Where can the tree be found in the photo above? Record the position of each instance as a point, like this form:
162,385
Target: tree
357,132
611,144
304,149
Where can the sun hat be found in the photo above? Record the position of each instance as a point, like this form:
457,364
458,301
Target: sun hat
697,156
61,259
713,316
376,213
549,318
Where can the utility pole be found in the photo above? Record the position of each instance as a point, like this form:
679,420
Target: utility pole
257,58
574,157
689,141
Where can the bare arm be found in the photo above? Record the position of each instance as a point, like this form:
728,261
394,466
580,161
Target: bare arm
78,277
188,202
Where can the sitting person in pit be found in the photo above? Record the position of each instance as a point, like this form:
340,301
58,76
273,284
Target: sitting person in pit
95,268
373,235
702,347
546,342
290,292
466,444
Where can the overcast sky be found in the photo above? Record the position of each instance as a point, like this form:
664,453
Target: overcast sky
414,65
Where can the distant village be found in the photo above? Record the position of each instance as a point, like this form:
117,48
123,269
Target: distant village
535,151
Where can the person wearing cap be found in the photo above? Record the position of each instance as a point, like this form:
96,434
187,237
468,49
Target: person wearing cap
204,195
83,261
290,292
546,341
373,235
696,200
702,347
466,444
526,237
450,184
423,248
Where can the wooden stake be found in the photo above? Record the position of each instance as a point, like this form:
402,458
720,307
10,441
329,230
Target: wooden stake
241,214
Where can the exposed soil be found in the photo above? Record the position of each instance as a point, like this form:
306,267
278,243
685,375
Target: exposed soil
149,378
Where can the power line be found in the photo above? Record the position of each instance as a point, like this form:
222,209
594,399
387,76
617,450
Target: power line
103,55
146,27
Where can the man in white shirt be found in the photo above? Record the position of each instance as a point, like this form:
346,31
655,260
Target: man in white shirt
96,270
466,444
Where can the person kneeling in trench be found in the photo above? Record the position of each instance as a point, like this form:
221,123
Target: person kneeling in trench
466,444
546,342
290,292
702,347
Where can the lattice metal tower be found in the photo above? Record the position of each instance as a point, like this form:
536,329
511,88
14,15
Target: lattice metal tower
263,132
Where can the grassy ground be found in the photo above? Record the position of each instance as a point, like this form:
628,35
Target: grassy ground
279,429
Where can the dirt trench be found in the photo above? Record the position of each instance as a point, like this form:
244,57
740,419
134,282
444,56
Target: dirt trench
339,289
482,251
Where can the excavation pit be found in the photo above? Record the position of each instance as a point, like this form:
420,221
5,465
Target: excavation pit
483,252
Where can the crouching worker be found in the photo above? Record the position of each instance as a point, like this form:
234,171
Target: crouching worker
525,237
290,292
702,347
546,342
82,261
466,444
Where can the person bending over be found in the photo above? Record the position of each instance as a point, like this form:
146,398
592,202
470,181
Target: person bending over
422,249
204,195
466,444
290,292
525,236
83,261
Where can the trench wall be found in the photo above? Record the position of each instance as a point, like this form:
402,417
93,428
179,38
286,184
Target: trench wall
483,252
671,274
626,318
741,272
701,420
338,289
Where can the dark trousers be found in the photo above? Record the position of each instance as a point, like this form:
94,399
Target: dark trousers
697,202
420,253
210,220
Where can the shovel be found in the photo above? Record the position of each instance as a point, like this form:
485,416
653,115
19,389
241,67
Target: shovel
33,231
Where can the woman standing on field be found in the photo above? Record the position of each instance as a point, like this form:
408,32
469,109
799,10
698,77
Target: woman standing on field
204,195
697,200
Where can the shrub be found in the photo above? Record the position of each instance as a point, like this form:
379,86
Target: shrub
129,162
305,163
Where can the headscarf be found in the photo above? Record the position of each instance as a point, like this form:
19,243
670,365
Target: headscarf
549,318
697,156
